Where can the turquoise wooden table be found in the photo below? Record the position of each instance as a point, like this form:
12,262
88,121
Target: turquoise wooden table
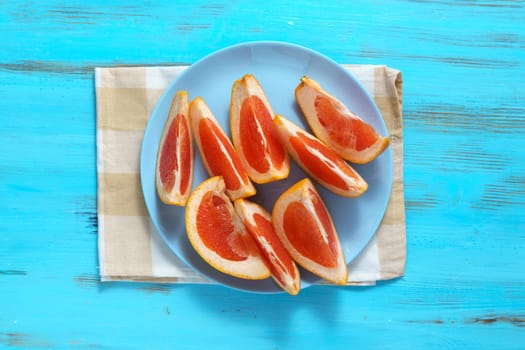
463,65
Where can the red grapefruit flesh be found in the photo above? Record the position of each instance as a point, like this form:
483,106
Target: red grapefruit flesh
259,223
253,133
217,152
175,156
219,236
319,161
332,122
306,229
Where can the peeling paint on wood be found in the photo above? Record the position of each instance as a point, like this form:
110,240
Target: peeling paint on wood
91,218
88,280
518,321
13,339
425,201
161,288
507,192
436,322
473,157
13,273
22,340
29,66
460,3
213,9
456,119
463,62
188,27
85,70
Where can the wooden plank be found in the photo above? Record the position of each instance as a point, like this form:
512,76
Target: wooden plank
463,69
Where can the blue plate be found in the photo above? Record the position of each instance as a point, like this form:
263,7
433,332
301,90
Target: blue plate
278,67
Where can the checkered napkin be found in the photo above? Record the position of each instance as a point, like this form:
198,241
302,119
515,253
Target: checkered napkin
129,246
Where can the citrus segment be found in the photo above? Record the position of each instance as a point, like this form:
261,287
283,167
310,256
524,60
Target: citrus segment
319,161
253,133
297,221
259,223
218,235
333,123
175,156
306,229
211,219
217,152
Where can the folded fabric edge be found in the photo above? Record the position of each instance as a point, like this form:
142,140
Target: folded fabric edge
149,279
186,280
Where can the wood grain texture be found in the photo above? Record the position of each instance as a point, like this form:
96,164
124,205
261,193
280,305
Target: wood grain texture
463,65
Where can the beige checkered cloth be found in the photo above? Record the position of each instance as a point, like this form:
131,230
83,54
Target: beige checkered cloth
129,246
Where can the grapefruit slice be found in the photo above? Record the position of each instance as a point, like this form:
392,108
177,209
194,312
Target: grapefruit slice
319,161
259,223
217,152
305,227
333,123
253,133
218,235
175,156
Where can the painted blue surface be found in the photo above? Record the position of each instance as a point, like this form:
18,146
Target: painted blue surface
463,65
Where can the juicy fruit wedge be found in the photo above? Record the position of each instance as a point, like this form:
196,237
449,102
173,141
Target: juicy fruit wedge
253,133
305,227
259,223
217,152
175,157
340,129
218,235
319,161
